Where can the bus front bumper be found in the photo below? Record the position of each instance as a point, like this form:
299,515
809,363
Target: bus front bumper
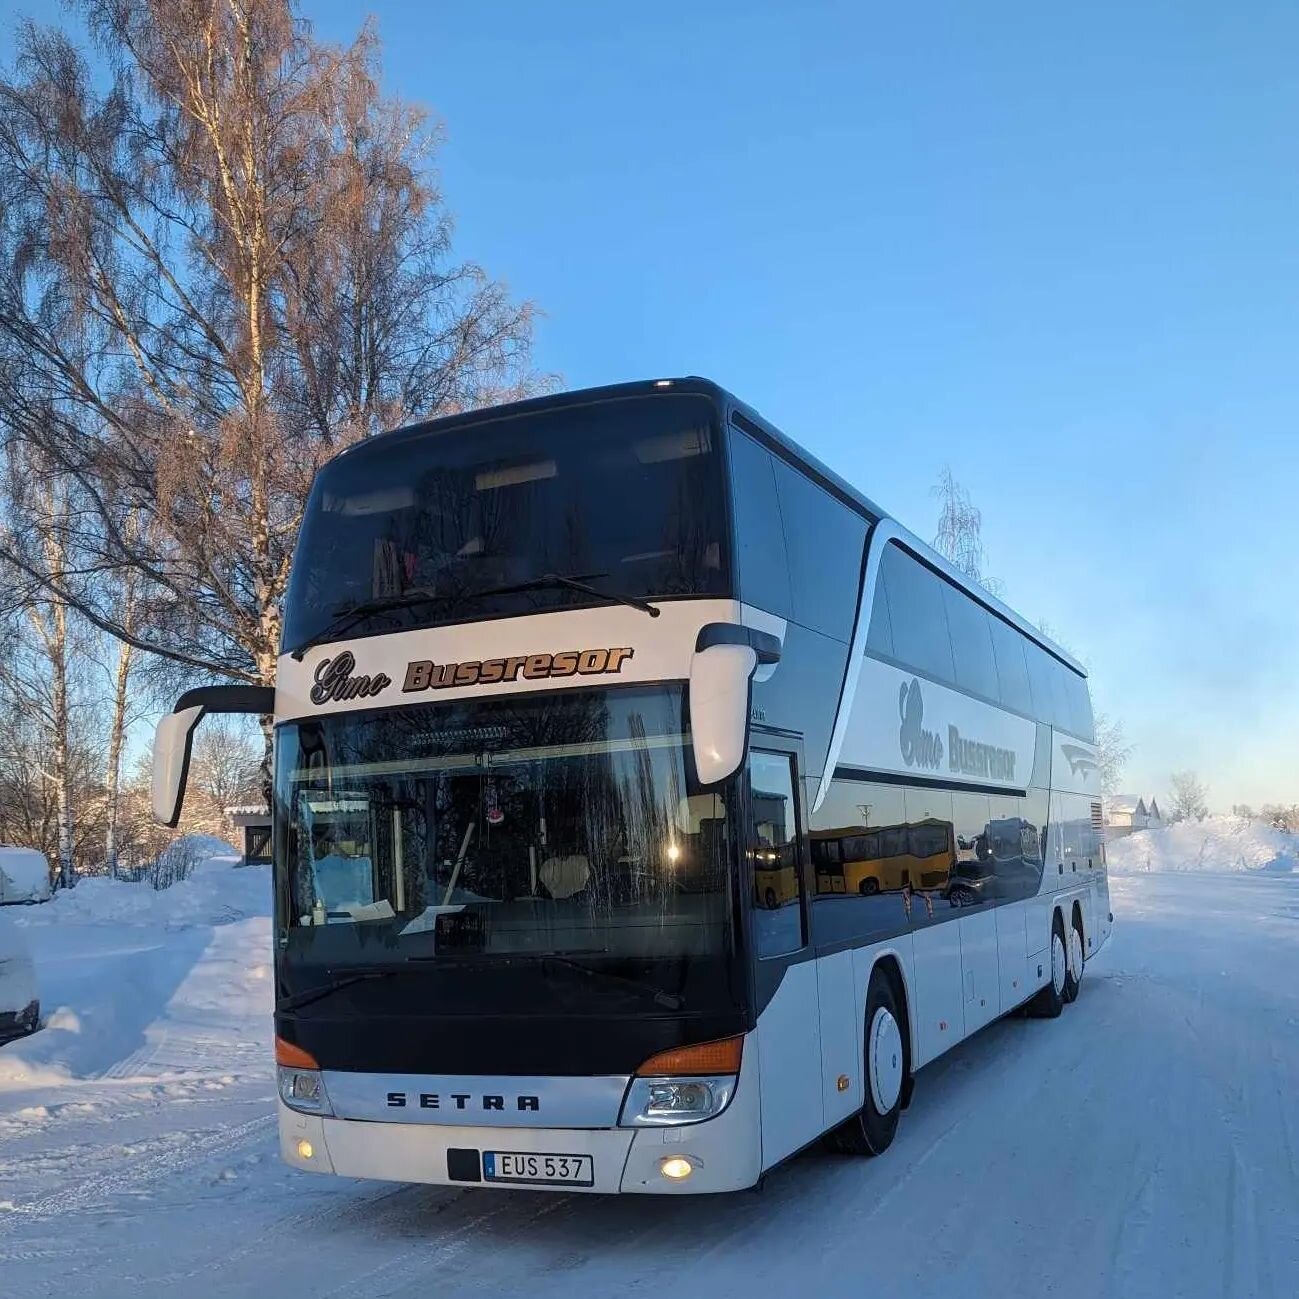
723,1153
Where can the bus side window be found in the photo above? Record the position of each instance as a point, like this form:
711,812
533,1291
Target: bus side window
893,842
778,925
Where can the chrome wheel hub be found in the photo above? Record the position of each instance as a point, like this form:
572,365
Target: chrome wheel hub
884,1060
1075,954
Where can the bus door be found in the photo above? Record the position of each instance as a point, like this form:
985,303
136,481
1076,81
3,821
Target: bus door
785,976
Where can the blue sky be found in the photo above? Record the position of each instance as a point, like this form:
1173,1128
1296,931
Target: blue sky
1054,246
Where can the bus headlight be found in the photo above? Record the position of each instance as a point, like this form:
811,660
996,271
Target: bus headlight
304,1090
657,1102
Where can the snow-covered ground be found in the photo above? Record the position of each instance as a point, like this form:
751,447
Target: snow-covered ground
1218,843
1145,1144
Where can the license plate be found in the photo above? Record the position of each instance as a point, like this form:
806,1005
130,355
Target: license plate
544,1170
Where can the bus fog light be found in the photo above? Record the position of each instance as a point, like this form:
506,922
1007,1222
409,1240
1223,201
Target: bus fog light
303,1090
676,1168
305,1150
668,1101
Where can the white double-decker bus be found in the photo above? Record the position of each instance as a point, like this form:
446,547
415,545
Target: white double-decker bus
648,803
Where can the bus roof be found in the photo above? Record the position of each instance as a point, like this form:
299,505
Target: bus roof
752,422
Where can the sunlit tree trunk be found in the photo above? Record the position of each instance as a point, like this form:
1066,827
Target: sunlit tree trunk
116,740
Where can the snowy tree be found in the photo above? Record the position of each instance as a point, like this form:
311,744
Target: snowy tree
960,531
1112,752
1282,816
1190,796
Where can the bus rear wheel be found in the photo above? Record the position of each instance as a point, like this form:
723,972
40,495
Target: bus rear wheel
1051,1000
887,1067
868,887
1073,960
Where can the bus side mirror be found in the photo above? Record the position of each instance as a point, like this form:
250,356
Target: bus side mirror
725,659
172,742
174,739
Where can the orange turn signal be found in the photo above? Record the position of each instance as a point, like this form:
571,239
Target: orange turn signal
719,1057
293,1057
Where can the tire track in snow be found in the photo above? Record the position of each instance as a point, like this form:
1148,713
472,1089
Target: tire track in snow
175,1154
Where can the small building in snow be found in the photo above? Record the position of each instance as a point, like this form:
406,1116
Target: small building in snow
255,822
1126,813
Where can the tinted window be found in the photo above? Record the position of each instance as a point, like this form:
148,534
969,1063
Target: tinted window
759,537
824,540
773,854
863,899
1080,705
625,493
976,669
920,635
973,881
879,638
1012,668
1049,704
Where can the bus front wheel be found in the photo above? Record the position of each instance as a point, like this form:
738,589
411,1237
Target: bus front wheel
868,887
887,1067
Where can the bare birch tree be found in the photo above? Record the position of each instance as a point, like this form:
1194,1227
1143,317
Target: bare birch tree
39,679
959,538
124,588
217,270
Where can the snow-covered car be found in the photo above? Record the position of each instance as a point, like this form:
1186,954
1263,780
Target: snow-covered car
19,1006
24,875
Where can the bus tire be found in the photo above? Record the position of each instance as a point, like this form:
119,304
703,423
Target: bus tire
869,887
1049,1002
886,1071
769,897
1074,962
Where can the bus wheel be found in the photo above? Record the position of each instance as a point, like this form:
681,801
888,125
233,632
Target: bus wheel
769,897
1050,1001
870,1131
869,886
1073,960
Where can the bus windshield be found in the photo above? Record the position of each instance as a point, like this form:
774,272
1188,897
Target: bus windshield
624,495
560,824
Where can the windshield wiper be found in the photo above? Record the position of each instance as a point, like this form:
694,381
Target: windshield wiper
334,985
668,1000
351,614
573,584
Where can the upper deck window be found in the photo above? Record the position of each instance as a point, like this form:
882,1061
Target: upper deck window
624,495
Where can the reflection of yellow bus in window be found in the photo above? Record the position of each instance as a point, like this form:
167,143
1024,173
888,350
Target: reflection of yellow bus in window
775,854
883,859
775,875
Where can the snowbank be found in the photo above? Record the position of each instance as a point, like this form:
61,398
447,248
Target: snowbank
138,983
1218,843
215,893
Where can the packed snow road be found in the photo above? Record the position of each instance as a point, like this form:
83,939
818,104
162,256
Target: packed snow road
1145,1144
